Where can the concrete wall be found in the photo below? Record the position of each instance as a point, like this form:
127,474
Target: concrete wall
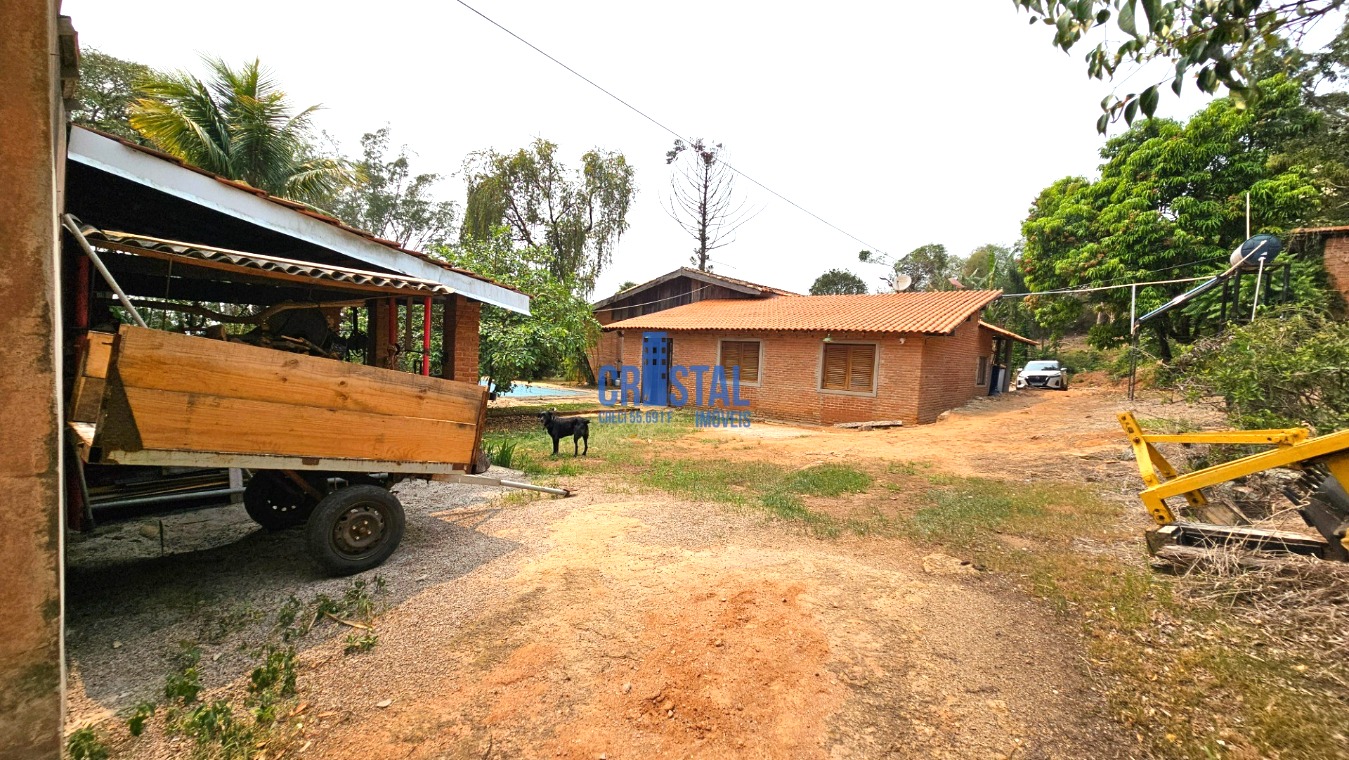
918,376
31,672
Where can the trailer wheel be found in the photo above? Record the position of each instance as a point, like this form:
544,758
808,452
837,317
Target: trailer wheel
275,502
354,529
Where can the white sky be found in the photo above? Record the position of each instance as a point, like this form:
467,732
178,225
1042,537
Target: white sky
904,123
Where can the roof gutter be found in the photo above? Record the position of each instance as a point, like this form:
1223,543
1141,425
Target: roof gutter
110,156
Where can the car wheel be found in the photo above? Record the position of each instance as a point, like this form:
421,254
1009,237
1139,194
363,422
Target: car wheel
355,528
276,502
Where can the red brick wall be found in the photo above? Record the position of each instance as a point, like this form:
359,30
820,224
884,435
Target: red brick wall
1337,264
918,376
466,325
950,367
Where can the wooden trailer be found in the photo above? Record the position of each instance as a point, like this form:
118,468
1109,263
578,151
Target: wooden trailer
325,439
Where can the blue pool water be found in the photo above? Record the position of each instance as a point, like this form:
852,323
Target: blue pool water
523,390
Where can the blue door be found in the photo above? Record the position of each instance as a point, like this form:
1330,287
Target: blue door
655,369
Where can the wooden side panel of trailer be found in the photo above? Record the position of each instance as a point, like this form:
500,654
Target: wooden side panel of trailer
180,394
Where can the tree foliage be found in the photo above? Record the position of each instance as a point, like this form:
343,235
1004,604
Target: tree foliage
576,217
1215,39
239,125
392,202
106,90
1170,203
1280,370
513,346
703,199
929,266
838,282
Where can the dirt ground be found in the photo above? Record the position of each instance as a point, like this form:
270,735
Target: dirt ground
626,623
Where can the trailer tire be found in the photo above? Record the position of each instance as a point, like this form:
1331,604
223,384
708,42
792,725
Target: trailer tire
354,529
274,502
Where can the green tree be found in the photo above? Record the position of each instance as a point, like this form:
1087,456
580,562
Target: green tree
239,125
392,202
106,90
1170,203
1217,39
703,199
513,347
838,282
929,266
1282,370
577,217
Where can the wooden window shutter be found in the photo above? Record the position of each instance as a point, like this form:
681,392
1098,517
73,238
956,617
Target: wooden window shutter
862,369
835,375
849,367
743,354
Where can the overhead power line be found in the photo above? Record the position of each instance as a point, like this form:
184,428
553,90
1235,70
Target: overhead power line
1073,291
660,124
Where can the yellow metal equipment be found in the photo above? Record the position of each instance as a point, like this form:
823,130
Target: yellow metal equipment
1318,494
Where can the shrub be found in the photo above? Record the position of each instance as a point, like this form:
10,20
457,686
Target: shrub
1287,369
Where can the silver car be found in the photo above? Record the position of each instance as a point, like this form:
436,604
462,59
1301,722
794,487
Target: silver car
1043,374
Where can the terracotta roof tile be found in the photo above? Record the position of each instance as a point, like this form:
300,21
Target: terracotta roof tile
939,312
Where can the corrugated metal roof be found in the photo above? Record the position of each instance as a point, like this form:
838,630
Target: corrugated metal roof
301,208
259,265
939,312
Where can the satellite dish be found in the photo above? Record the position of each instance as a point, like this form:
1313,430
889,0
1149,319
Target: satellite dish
902,282
1258,249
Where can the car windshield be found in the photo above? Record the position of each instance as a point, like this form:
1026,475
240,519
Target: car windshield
1041,366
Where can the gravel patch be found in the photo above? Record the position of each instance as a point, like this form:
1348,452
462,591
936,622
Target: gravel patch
217,580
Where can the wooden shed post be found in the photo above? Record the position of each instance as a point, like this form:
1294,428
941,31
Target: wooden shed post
33,61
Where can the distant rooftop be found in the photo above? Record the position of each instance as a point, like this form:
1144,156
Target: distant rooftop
711,278
934,312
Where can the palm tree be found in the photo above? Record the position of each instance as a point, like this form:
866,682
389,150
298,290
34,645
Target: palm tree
240,126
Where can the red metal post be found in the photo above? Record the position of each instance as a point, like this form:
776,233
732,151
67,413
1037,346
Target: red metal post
426,337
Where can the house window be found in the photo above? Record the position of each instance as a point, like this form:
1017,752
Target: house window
981,376
743,354
849,367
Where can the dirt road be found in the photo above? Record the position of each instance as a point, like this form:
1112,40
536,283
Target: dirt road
626,623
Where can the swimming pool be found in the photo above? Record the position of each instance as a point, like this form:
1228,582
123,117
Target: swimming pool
525,390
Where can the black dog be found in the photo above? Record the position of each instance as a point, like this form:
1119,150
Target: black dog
561,427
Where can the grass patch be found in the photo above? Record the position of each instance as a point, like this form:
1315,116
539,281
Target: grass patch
533,410
612,445
967,512
759,485
827,480
1166,425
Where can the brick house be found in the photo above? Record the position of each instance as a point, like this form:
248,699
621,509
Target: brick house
830,359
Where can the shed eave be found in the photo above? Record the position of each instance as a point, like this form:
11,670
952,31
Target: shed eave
110,156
